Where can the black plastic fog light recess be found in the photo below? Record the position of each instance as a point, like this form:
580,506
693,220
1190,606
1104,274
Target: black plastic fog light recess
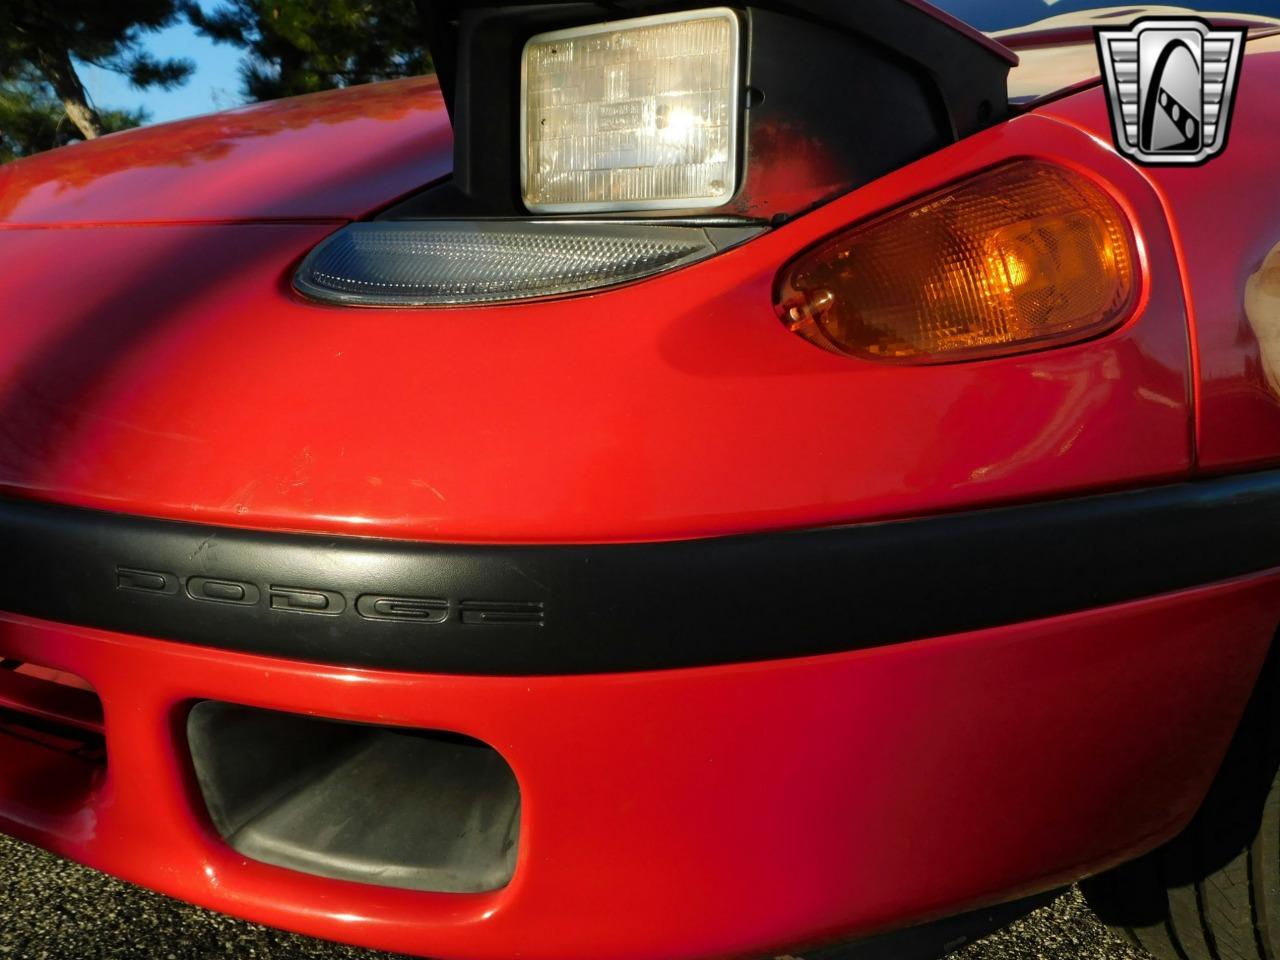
413,809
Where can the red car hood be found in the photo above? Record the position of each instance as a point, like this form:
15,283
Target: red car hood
1059,52
334,155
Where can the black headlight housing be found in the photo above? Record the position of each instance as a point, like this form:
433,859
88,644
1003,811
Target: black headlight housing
836,94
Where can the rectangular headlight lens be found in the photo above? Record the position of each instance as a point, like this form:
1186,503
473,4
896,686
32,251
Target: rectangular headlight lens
636,114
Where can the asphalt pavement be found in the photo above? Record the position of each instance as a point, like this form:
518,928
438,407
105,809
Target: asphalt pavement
51,909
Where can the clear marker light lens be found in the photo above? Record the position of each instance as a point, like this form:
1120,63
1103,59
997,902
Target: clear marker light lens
632,115
446,262
1018,258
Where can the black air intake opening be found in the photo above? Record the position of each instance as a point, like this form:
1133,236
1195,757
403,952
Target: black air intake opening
414,809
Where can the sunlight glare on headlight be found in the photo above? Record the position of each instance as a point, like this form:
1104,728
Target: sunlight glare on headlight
632,115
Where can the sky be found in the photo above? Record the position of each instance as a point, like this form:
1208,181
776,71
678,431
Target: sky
215,85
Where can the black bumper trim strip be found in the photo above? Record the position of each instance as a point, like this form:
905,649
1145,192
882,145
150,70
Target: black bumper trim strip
478,609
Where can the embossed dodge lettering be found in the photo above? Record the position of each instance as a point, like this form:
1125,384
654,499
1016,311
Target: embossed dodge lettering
331,603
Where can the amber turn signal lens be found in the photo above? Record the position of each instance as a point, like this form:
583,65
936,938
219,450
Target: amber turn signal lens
1022,257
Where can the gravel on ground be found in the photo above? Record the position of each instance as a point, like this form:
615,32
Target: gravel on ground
51,909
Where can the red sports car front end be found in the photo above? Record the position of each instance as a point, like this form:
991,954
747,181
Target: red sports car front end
693,613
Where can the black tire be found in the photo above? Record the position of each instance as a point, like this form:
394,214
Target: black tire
1213,892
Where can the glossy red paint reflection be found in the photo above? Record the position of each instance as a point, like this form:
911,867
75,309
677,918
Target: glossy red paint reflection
336,154
1226,216
676,814
180,377
700,813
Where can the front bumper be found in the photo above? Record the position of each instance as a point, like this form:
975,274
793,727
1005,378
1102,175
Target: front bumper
720,809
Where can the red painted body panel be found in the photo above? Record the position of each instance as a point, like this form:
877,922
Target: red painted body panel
340,154
748,807
1226,217
707,812
180,377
